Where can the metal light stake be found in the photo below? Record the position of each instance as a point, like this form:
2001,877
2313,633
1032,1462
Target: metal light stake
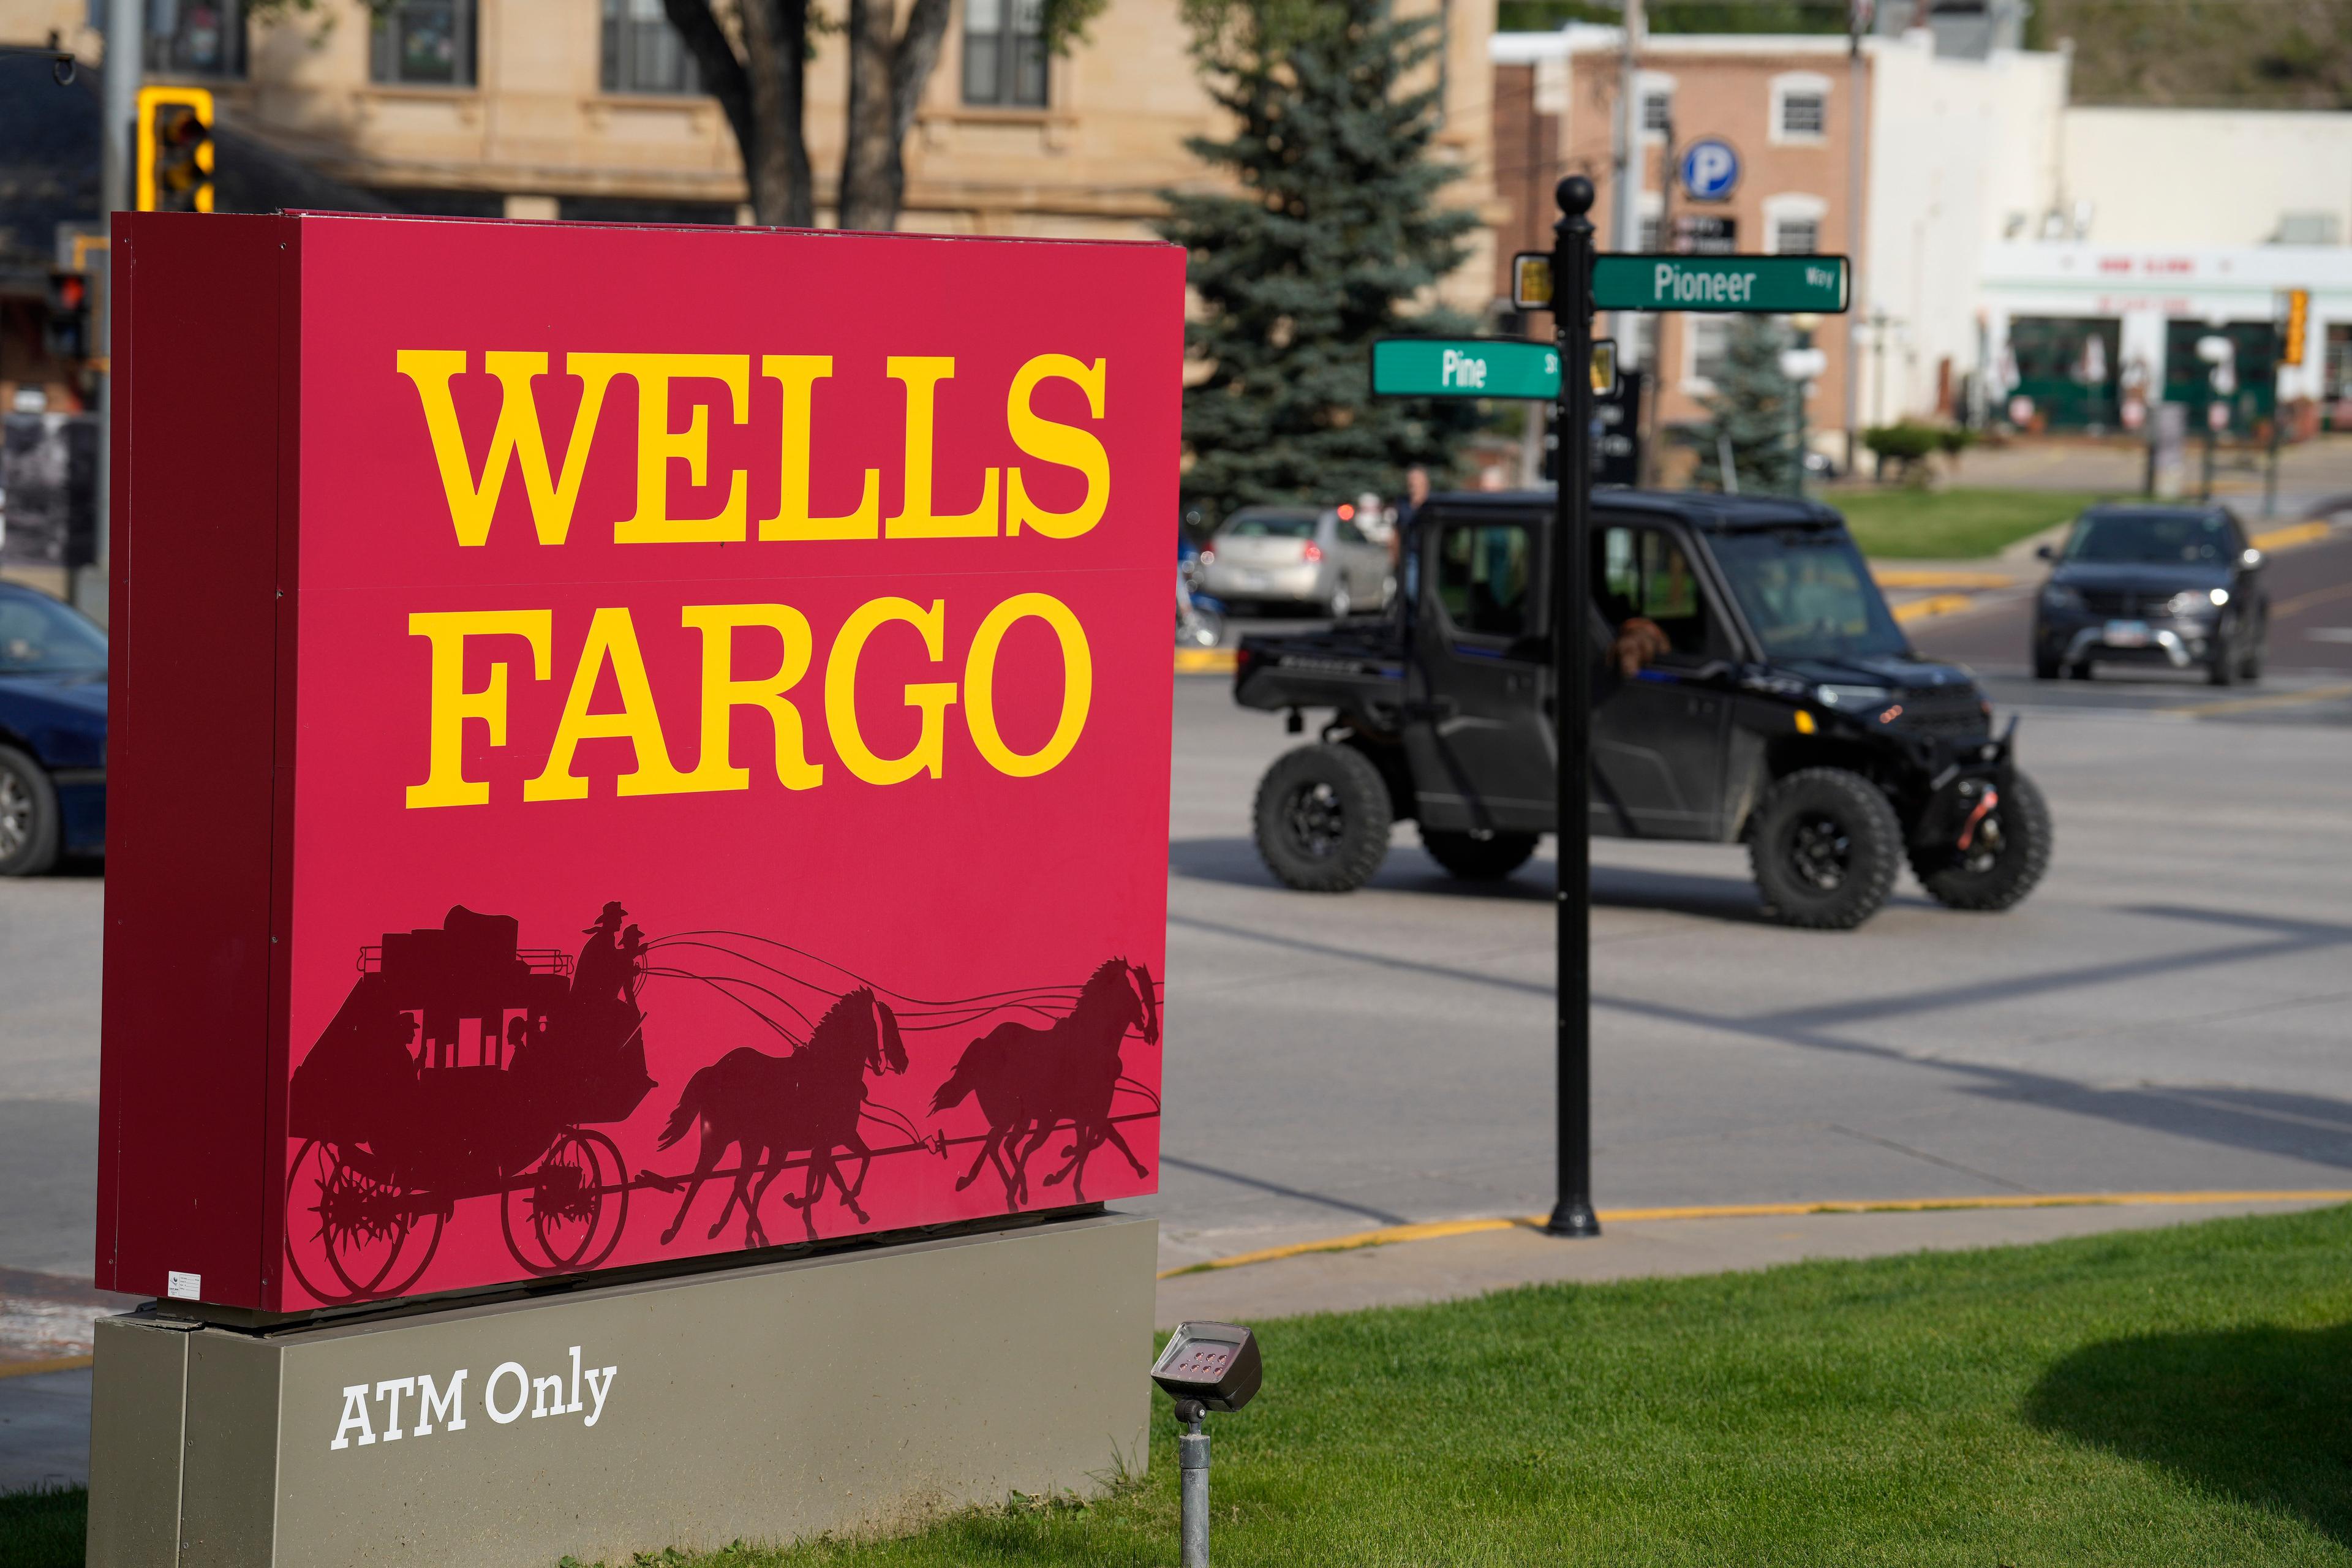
1192,1472
1205,1367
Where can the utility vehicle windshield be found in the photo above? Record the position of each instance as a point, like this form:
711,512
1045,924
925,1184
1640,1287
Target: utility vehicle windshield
1807,593
2151,539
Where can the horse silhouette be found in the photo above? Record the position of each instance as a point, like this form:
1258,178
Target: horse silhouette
1029,1080
771,1108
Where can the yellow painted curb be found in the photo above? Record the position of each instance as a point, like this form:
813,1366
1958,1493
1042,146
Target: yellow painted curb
30,1368
1438,1229
2256,704
1935,605
1918,577
1204,661
2287,538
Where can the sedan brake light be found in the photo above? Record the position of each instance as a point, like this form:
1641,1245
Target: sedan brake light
1314,552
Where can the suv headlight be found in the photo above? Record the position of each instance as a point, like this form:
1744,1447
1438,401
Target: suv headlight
2196,602
2060,599
1851,698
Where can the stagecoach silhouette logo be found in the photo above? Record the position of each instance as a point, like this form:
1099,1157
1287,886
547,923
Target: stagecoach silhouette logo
397,1125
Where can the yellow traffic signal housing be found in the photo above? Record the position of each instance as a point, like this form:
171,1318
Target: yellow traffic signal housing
2296,327
175,150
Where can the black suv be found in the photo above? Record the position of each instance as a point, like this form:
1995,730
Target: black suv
1751,687
2153,584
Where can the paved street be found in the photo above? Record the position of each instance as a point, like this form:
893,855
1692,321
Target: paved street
2166,1012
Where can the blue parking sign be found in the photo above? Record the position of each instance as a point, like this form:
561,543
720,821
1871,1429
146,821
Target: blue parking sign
1710,170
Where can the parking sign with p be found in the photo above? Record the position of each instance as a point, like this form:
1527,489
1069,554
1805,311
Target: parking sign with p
1710,171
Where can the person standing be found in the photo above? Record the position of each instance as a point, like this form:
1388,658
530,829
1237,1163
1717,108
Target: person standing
1416,491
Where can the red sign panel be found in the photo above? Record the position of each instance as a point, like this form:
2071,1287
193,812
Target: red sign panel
628,743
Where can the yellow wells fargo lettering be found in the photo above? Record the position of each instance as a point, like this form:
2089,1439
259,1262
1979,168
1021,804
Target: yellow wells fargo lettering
611,643
1005,499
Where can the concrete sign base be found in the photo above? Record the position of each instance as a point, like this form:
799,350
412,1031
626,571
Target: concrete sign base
867,1391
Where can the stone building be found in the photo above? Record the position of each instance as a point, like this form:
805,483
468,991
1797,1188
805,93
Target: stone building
588,109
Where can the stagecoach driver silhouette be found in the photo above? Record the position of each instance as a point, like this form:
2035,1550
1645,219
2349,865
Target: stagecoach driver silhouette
602,972
630,959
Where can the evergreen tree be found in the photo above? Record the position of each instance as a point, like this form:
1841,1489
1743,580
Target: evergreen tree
1334,229
1752,411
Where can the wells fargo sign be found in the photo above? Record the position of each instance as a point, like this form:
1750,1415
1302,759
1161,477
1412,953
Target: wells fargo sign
627,743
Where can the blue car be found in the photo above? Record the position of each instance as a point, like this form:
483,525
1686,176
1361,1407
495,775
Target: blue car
52,732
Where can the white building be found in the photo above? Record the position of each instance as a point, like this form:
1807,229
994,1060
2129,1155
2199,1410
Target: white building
2164,226
1958,147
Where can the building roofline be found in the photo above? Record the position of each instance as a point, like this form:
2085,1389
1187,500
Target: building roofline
1594,38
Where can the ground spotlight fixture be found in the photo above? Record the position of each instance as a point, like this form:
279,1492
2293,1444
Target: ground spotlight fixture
1206,1366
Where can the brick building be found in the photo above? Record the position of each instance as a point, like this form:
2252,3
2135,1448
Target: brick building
1786,107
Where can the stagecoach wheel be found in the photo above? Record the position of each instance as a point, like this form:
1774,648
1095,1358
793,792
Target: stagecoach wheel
373,1235
575,1201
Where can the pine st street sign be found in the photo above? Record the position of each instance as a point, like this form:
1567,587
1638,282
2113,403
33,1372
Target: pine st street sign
1479,367
1744,283
1463,367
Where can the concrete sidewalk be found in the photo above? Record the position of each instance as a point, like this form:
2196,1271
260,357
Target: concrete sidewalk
1453,1266
44,1430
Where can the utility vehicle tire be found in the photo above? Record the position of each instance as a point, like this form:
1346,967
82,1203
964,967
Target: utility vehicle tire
2007,858
1323,818
1488,859
29,824
2045,668
1825,847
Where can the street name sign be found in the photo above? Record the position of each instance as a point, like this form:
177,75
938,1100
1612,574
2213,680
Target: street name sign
641,796
1478,367
1728,283
1463,367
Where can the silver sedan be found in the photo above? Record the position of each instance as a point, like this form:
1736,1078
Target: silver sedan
1296,555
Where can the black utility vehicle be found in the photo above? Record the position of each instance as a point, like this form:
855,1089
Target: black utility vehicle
1750,686
2175,585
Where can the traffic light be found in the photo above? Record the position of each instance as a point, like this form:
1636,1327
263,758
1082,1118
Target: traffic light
66,335
175,150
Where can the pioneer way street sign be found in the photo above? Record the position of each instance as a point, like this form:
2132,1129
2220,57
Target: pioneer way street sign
1764,283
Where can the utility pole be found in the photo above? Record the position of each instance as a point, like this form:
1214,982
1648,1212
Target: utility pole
1626,222
1856,134
1571,654
123,73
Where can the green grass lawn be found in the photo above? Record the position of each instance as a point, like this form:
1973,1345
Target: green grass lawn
1896,524
2180,1396
43,1529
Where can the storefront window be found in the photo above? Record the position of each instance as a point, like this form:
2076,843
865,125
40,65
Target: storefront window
196,37
2338,367
1004,52
643,53
428,42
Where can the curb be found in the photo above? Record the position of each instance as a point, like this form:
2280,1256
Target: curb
1916,578
1436,1230
1204,661
2287,538
55,1363
1933,606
